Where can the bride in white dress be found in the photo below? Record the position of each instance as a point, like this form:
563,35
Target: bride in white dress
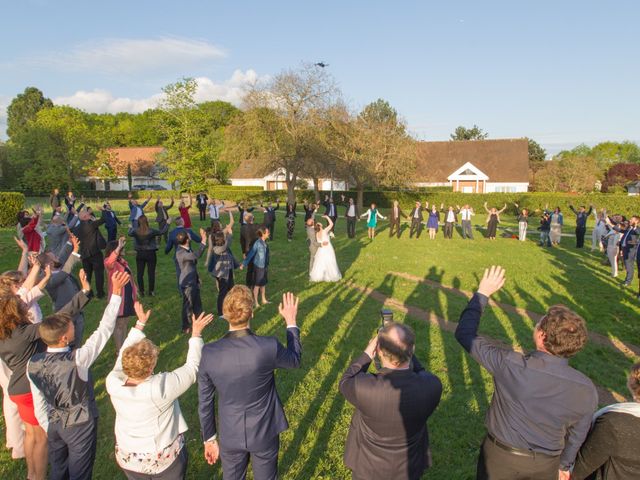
325,266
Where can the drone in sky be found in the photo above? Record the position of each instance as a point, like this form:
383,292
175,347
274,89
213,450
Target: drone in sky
321,64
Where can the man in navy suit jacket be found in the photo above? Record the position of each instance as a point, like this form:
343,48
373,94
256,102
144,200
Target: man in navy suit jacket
240,368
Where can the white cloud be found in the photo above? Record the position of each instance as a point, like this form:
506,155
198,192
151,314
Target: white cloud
127,56
103,101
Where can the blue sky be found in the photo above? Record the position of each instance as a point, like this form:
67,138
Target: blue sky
561,72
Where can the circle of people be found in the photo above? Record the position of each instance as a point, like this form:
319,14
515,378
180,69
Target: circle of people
542,422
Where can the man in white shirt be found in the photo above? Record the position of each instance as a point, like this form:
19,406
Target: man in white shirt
215,208
62,389
450,219
352,216
466,213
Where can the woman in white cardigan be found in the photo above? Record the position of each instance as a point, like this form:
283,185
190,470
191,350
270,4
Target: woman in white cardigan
149,424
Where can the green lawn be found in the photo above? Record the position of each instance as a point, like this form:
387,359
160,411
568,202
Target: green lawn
337,322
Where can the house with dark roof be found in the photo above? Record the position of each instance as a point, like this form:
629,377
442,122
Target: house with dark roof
476,166
143,161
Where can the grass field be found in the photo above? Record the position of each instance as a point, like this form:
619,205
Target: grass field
337,321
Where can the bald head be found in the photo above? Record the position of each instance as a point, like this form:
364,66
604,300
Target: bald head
396,343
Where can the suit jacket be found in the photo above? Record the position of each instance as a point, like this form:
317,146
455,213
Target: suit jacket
270,214
87,232
133,209
240,369
394,219
388,436
201,200
248,236
171,239
355,208
111,220
57,237
187,261
162,212
312,240
327,208
63,286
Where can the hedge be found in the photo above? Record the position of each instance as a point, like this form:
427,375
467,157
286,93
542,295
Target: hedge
11,203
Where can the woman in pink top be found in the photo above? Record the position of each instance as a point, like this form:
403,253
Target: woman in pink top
115,262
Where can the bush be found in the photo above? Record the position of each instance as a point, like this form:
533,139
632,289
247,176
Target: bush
11,203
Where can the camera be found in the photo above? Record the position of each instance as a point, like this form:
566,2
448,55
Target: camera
386,316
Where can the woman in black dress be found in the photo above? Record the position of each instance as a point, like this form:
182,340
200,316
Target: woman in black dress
493,220
290,215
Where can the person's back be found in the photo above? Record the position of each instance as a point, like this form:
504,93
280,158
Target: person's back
239,369
541,408
388,436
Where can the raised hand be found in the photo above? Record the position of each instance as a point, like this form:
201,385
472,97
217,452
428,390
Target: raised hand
118,281
288,308
211,452
143,317
203,236
198,324
492,281
75,241
47,271
372,347
84,281
22,244
121,243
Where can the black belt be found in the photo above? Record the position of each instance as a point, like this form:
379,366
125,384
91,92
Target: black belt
516,451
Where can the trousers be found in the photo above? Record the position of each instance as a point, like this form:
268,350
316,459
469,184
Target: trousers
580,232
264,462
416,228
224,285
467,232
448,230
72,450
95,263
351,227
191,304
148,259
494,463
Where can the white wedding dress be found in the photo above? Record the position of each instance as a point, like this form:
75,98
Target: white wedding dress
325,266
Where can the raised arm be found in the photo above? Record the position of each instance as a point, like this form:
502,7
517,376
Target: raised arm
486,208
328,227
290,356
502,209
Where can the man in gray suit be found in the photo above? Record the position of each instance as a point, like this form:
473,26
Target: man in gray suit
312,241
240,367
188,279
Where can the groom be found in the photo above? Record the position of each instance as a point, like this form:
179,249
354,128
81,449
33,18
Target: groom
312,241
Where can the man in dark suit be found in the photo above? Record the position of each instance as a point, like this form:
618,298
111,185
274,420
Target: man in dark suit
351,214
270,216
89,235
394,220
172,243
582,215
188,279
240,367
416,220
330,211
388,436
111,222
162,217
202,201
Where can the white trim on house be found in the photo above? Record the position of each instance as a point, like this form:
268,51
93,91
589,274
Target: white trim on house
474,173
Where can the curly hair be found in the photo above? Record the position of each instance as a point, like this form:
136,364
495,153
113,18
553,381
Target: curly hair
565,331
139,359
238,306
9,280
633,382
13,312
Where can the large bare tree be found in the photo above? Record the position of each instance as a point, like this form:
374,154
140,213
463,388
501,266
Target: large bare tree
279,127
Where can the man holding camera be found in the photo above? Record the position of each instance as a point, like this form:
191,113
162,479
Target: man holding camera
388,436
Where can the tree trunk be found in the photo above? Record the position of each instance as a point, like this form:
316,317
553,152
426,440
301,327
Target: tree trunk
316,188
291,187
360,196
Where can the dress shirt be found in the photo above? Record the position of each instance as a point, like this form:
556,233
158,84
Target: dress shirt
465,214
84,356
214,212
451,216
148,415
416,213
539,403
351,212
332,210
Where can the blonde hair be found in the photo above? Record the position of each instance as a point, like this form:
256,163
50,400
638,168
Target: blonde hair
10,279
238,306
139,359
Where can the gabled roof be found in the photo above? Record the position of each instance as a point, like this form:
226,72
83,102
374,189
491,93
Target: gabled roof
249,169
500,160
142,160
468,171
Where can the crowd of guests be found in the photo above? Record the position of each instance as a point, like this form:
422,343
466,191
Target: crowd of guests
542,422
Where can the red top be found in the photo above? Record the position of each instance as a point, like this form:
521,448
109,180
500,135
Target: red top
184,213
31,235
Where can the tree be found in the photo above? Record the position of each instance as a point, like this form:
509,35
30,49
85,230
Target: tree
620,174
278,128
372,148
53,149
24,108
473,133
536,152
570,174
